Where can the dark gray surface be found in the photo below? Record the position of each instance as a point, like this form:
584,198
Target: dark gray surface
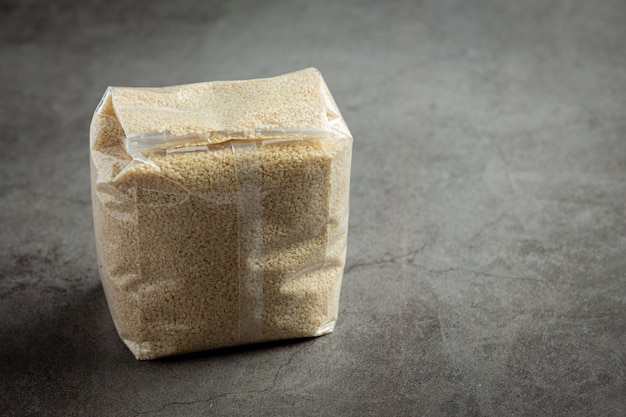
487,253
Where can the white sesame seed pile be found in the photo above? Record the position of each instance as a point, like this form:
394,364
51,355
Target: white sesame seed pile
220,211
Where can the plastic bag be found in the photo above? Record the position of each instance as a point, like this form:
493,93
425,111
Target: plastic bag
220,211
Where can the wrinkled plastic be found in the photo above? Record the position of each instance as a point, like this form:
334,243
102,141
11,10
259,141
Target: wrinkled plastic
220,211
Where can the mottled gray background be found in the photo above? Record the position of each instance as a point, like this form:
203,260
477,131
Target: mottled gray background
487,254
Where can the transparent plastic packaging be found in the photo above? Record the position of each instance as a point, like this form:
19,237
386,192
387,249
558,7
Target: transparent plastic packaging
220,211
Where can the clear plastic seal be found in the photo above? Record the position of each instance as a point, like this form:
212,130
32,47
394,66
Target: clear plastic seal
220,211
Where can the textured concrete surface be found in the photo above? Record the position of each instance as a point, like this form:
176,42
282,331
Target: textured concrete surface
487,253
